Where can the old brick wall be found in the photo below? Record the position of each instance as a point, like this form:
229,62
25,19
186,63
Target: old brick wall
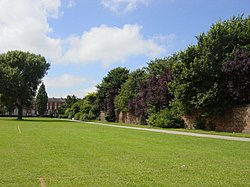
102,116
126,117
234,120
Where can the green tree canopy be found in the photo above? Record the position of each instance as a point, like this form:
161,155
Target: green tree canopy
129,90
109,89
21,73
41,100
198,81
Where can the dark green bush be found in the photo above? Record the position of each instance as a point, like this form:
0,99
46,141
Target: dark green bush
110,118
166,119
89,116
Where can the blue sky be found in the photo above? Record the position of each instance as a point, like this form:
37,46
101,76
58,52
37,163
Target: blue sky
84,39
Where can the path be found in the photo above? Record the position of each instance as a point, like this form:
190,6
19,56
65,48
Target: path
176,132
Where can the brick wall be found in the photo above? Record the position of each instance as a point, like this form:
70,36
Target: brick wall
126,117
102,116
234,120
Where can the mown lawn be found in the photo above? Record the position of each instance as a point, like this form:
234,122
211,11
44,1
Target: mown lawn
67,153
200,131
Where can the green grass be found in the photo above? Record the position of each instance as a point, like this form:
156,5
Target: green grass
243,135
67,153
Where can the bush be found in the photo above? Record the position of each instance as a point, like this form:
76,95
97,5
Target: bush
77,116
63,116
165,118
84,117
70,116
89,116
110,118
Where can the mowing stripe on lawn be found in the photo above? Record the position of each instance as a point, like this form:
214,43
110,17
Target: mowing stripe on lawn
19,130
41,181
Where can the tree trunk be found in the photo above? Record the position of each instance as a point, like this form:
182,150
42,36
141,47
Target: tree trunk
20,112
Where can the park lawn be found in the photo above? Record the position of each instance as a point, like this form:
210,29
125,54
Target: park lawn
200,131
65,153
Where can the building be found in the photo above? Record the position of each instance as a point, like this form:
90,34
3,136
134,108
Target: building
53,105
52,108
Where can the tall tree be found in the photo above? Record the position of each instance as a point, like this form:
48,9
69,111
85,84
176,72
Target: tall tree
153,95
109,89
21,73
237,77
198,84
129,90
41,100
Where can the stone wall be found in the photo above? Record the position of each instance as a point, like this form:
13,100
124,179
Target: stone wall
126,117
234,120
102,116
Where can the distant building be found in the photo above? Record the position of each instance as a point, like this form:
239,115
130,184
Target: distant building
53,105
52,108
27,111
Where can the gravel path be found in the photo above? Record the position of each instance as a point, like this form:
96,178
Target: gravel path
176,132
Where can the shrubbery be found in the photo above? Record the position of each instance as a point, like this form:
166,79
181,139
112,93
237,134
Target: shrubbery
165,118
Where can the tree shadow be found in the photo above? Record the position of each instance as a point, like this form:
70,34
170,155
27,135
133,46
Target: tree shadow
34,119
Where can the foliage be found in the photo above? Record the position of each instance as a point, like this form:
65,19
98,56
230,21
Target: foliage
129,90
41,100
198,78
165,118
2,107
21,73
7,103
237,76
153,95
89,109
77,116
159,66
109,89
75,107
69,102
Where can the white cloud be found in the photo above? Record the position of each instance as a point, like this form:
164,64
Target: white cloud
71,3
110,44
64,81
123,6
23,26
168,41
68,84
83,92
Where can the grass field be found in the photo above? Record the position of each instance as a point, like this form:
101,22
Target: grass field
64,153
200,131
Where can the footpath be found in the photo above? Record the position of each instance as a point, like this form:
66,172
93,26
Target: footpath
174,132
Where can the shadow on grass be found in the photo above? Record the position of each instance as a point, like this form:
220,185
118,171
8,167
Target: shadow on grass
35,119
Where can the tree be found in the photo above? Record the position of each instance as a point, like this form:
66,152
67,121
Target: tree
153,95
198,84
237,77
109,89
21,73
129,90
158,66
70,100
67,108
89,108
41,100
